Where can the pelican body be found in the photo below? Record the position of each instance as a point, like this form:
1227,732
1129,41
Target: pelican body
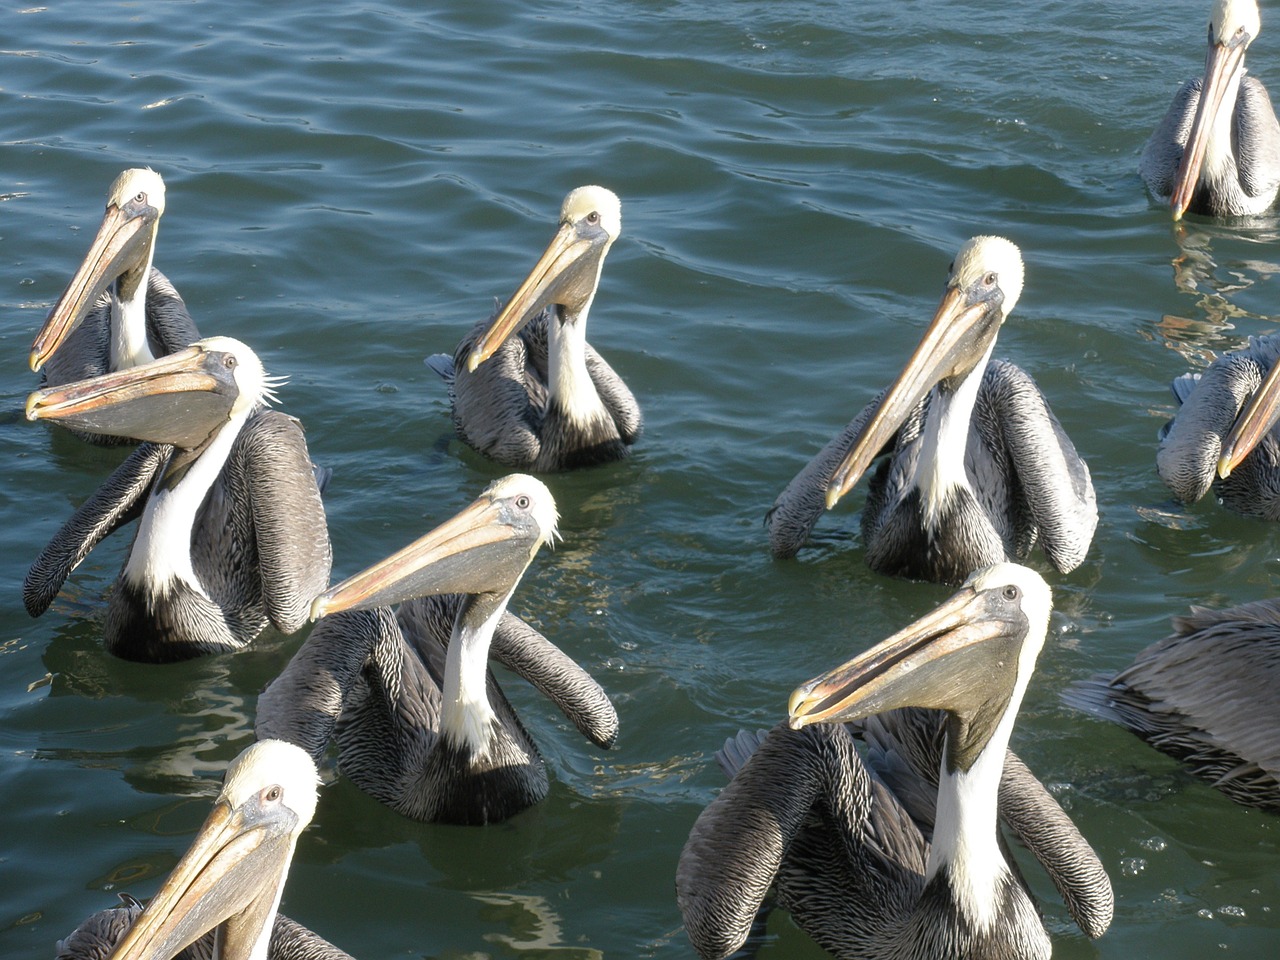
1224,433
419,719
232,531
976,468
118,311
527,389
881,856
221,900
1208,695
1217,150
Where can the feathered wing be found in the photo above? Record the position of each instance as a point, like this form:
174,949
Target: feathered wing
616,396
1164,148
796,510
525,651
1057,492
169,325
288,516
116,502
1257,136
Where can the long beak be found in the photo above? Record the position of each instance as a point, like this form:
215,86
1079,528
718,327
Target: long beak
232,874
478,551
179,399
956,339
928,664
1254,422
1221,64
122,242
559,269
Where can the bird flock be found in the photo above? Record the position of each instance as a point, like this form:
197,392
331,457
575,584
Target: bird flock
876,812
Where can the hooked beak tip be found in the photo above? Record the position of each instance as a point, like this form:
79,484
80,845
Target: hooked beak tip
473,360
33,403
319,607
1224,467
833,497
36,361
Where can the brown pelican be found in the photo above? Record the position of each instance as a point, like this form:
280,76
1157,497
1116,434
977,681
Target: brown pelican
978,468
545,400
420,721
232,533
118,311
1207,696
1217,150
1222,434
842,841
221,899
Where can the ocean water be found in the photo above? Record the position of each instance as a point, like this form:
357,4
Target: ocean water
349,189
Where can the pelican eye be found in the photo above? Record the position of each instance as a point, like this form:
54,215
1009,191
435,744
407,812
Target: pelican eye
991,279
1011,593
273,794
229,361
140,198
593,217
523,502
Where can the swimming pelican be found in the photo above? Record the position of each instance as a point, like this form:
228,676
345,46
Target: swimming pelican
420,721
1218,153
1222,435
1207,695
232,533
978,468
118,311
545,400
841,840
231,879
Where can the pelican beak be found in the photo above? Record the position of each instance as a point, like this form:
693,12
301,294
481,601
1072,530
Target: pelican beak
483,549
123,243
179,399
1254,422
232,874
957,338
566,273
1221,65
959,657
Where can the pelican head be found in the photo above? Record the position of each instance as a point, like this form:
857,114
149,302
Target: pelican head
1232,27
235,871
568,271
972,657
121,251
182,399
983,285
485,549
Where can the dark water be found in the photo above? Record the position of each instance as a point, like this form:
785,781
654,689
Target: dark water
349,187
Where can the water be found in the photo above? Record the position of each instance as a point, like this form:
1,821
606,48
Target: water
347,192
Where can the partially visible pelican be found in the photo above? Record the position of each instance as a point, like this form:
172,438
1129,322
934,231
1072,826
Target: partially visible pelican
420,721
1209,695
221,899
233,532
1217,150
1223,433
843,839
118,311
544,399
977,467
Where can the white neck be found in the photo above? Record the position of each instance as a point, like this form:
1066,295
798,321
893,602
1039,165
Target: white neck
162,549
569,384
129,347
940,466
466,717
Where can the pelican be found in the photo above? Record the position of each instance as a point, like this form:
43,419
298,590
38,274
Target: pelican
1222,435
978,468
1206,695
222,897
545,400
841,840
1218,152
118,311
232,531
420,722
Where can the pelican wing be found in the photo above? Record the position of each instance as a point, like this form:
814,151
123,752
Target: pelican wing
525,651
616,396
796,510
499,406
303,704
1013,418
1163,151
116,502
288,516
1257,136
169,325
